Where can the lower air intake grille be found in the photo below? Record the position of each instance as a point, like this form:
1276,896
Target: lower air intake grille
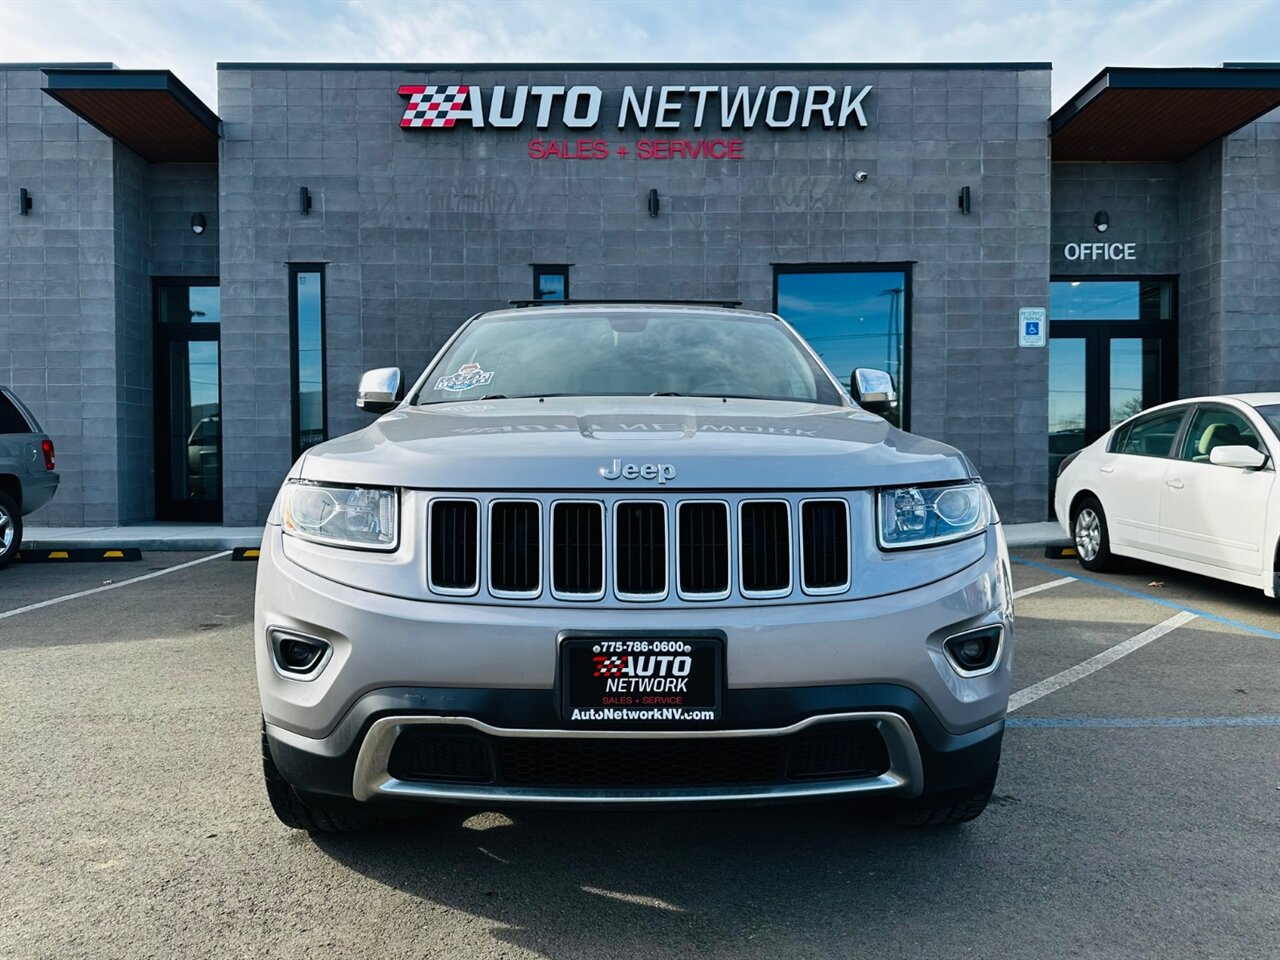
829,751
641,533
824,539
441,757
454,532
704,549
514,551
766,548
577,549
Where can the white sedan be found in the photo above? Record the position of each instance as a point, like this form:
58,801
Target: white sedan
1190,484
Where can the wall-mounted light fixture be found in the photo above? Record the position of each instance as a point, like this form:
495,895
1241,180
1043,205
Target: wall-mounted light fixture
966,200
198,223
24,202
653,202
861,176
304,201
1101,221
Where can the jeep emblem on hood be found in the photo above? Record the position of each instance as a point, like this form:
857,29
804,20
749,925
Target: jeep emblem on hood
662,472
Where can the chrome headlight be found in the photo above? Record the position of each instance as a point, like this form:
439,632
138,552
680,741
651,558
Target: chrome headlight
360,517
923,516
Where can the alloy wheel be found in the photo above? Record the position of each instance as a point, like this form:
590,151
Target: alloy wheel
1088,534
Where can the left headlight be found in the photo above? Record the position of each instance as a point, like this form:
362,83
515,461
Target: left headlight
362,517
923,516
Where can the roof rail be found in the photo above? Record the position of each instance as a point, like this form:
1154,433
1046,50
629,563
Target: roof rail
682,303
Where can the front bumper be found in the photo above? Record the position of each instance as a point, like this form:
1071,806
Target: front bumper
397,664
353,760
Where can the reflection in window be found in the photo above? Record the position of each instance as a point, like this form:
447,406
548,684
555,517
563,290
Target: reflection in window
184,303
550,281
1110,300
1135,376
852,318
1151,436
308,357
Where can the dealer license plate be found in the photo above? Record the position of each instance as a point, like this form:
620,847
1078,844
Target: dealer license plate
665,681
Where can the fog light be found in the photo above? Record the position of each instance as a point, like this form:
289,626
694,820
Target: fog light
975,652
295,653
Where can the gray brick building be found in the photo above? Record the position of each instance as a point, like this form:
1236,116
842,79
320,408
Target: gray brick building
190,298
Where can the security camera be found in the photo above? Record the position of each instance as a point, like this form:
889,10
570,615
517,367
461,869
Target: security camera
861,176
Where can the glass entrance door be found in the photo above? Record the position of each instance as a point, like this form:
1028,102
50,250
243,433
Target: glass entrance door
188,401
1112,353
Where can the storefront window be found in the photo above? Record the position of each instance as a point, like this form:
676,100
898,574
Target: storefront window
852,316
1074,300
307,329
550,282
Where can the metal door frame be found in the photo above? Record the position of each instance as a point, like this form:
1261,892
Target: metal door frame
164,336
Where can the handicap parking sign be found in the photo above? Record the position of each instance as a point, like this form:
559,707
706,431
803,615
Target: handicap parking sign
1032,326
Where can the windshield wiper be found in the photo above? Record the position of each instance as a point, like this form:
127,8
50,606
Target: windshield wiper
494,396
666,393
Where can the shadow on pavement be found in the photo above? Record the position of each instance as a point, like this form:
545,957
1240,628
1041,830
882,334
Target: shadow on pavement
765,882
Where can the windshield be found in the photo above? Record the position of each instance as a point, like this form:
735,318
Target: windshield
1271,414
542,353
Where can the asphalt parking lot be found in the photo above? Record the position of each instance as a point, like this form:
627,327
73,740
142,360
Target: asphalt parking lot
1137,812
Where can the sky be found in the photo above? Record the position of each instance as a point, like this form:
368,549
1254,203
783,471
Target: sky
1079,37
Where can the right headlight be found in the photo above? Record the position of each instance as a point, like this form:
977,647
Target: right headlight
924,516
361,517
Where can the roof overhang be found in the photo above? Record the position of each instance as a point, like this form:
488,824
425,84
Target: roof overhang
150,111
1159,114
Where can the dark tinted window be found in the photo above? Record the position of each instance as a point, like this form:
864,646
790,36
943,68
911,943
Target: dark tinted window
1152,436
550,282
1217,427
11,421
1271,414
308,358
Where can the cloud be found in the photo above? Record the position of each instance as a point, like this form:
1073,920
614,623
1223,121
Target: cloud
1080,37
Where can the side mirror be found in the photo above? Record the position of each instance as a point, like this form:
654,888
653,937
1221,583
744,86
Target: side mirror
380,390
1238,456
873,390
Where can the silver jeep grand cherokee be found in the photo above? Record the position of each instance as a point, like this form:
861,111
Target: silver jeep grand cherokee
630,554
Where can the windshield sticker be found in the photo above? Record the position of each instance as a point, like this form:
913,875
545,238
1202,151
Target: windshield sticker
468,377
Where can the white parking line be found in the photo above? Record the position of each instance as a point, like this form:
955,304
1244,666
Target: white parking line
111,586
1095,663
1028,591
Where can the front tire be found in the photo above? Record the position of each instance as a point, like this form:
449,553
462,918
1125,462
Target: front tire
293,811
1091,535
948,809
10,530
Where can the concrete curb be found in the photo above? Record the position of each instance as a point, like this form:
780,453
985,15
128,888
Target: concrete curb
186,537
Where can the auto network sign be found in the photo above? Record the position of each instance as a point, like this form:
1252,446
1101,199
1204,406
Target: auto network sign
650,108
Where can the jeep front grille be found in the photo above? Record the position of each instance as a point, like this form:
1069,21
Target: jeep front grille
824,538
765,528
640,545
703,542
515,548
453,566
660,549
577,549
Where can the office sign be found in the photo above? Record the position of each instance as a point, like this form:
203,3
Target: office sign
1100,251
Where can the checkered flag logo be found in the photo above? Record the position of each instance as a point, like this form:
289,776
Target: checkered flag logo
433,106
609,666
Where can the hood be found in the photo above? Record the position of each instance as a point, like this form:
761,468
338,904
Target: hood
668,444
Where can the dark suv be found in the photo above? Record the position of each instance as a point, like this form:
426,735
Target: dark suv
27,477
